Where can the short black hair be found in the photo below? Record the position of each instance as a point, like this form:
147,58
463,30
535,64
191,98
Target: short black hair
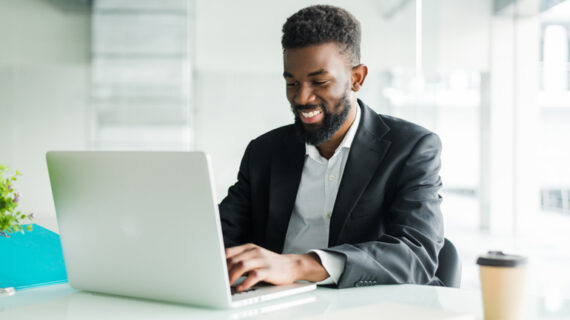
320,24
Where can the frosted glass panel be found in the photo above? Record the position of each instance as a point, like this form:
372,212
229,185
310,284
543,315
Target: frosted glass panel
140,80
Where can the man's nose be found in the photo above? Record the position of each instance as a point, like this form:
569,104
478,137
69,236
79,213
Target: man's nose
304,95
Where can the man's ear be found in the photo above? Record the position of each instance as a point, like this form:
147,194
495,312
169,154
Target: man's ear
358,75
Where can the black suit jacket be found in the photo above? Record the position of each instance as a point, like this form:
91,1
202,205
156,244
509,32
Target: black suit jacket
386,221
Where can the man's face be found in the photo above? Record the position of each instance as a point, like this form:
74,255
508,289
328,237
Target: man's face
318,89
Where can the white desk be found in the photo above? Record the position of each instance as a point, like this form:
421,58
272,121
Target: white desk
63,302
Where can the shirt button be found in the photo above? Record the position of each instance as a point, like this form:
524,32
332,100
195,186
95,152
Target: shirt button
329,215
332,177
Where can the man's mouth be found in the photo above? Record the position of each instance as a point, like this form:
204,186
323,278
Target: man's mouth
311,116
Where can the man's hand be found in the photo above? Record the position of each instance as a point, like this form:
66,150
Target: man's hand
259,264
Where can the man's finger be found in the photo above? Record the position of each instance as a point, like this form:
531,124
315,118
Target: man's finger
253,252
252,279
233,251
242,267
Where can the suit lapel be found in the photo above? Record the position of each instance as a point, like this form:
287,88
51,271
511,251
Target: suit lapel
286,171
366,153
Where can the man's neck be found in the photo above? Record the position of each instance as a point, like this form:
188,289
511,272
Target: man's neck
327,148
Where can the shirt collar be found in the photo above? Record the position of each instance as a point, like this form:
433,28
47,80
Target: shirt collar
346,142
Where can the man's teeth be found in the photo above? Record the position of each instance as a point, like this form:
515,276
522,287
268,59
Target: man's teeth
310,114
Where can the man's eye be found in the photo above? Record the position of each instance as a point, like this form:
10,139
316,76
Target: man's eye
291,84
320,83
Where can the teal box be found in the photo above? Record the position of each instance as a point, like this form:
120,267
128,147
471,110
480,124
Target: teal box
31,259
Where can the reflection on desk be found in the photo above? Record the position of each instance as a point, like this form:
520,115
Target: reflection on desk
63,302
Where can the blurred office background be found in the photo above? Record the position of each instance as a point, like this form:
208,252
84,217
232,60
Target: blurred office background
489,76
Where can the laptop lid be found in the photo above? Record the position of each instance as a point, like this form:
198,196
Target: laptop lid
141,224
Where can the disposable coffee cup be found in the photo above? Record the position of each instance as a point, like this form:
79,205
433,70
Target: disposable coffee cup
503,282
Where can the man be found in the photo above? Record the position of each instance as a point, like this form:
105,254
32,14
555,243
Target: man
344,196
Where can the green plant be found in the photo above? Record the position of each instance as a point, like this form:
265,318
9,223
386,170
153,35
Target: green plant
11,220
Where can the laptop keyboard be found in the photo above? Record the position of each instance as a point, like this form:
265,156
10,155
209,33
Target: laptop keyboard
235,292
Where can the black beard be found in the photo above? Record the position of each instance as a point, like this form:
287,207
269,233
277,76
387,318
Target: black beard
330,124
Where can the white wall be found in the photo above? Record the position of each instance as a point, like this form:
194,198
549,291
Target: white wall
461,35
43,92
456,38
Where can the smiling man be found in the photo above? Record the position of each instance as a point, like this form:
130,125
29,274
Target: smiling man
344,196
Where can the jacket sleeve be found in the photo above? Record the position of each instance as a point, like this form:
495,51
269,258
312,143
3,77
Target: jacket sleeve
407,251
235,209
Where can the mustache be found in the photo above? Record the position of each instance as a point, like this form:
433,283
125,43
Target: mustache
301,107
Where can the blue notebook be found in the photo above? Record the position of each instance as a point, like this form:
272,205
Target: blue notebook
31,259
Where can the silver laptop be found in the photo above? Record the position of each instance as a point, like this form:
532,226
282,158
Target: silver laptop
146,224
